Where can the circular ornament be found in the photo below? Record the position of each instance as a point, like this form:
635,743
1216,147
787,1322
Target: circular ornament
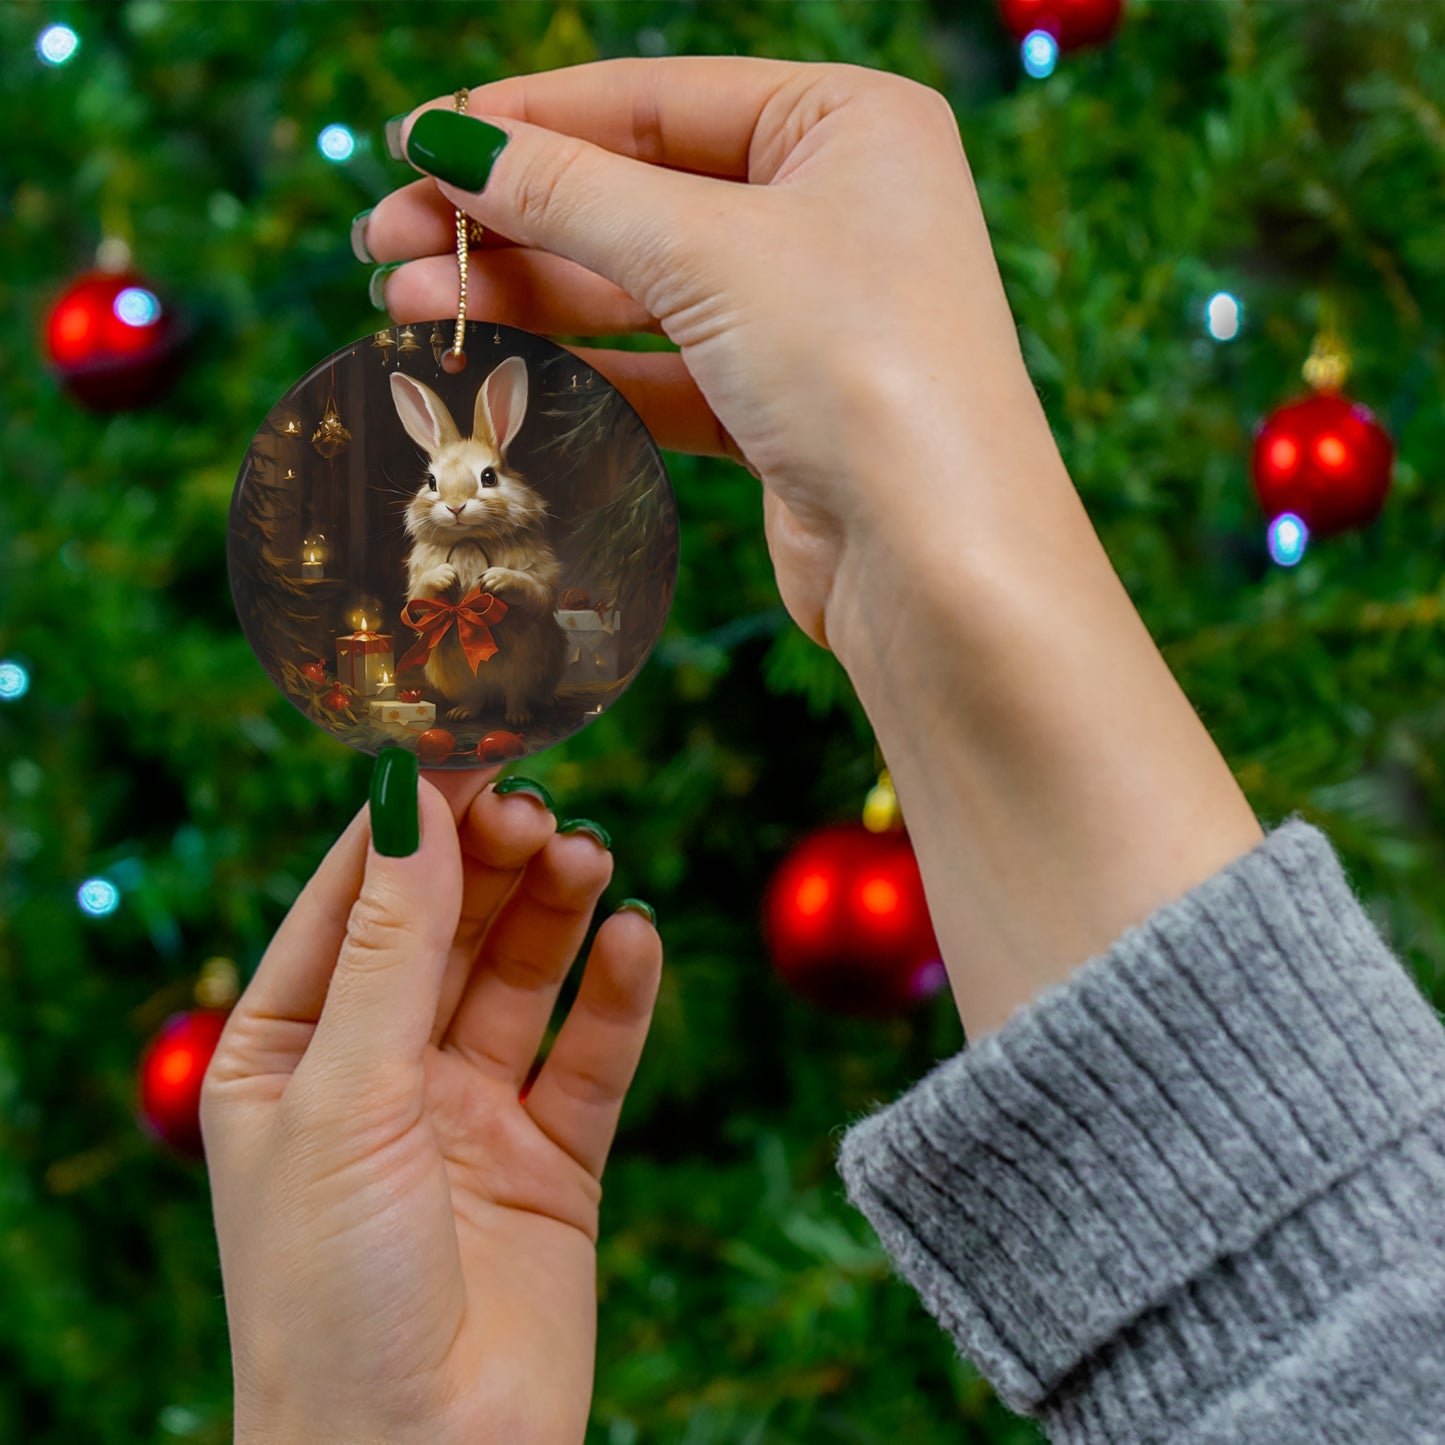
472,564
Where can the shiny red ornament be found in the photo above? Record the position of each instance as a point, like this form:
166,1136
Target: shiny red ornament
1073,23
847,924
1324,458
112,341
435,746
171,1072
315,673
336,699
498,746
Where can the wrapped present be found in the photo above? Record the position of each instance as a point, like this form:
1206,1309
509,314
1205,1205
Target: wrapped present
415,716
591,644
366,663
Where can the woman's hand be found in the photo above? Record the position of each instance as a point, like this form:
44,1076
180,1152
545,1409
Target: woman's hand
408,1248
808,235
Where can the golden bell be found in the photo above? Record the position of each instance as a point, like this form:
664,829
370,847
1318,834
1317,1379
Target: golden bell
406,341
331,438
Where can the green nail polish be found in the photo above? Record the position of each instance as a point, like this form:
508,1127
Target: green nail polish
636,905
358,237
586,825
395,824
376,289
455,148
392,132
525,785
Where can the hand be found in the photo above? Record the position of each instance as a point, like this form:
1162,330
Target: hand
842,302
407,1249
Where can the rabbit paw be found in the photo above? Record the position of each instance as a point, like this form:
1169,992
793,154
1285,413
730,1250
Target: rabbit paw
436,581
502,582
460,714
518,714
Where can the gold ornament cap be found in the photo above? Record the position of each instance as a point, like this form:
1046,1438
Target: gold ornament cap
219,985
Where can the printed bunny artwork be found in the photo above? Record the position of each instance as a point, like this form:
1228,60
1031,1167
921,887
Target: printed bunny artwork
472,565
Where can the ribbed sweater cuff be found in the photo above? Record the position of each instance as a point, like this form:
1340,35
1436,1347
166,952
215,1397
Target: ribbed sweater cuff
1168,1151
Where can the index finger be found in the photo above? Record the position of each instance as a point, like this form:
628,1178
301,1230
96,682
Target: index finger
696,113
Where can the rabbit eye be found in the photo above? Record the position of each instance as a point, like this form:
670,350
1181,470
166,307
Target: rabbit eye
489,477
432,483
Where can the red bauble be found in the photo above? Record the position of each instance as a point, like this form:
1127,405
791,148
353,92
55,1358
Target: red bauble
435,745
112,341
171,1072
847,924
314,672
336,699
1073,23
498,746
1324,458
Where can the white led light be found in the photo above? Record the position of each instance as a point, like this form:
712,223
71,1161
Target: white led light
136,306
1223,316
57,44
98,897
1040,52
336,143
14,681
1288,537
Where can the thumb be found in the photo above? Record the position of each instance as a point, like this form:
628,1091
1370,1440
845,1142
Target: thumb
382,1000
633,223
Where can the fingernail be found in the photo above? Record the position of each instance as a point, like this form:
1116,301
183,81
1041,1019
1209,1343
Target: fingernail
358,237
586,825
393,137
395,824
376,288
636,905
525,785
455,148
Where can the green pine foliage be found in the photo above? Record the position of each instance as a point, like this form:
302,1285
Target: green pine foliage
1292,154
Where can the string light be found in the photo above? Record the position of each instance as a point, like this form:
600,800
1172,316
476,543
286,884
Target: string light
57,44
136,306
1040,52
14,681
98,897
336,143
1288,537
1223,316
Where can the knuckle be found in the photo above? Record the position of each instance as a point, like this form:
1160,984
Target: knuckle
374,933
542,187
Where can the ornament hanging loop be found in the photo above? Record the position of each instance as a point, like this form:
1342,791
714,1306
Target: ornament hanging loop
1328,365
455,360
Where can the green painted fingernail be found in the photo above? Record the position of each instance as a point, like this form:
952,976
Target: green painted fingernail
636,905
525,785
586,825
377,287
359,247
395,821
392,131
455,148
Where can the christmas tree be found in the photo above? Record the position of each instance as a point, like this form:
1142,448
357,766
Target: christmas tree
1211,162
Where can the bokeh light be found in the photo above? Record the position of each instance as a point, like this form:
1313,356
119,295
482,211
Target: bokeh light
1288,537
98,897
1040,52
1223,316
137,307
57,44
14,681
336,143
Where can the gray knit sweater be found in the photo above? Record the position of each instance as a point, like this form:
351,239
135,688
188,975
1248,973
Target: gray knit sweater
1197,1191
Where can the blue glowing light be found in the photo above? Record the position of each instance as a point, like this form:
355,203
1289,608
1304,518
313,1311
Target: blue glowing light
14,681
1223,316
137,307
336,143
1288,537
57,44
1040,53
98,897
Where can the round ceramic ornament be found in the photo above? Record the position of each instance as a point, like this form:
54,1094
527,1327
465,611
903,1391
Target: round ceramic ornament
471,563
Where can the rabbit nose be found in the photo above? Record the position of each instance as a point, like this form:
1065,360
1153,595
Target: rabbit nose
457,511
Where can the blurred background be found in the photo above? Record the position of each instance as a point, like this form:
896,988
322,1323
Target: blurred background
1187,206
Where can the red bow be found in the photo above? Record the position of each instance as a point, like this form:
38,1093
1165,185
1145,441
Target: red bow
433,620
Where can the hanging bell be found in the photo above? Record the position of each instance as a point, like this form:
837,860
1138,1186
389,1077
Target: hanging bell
406,341
331,438
383,342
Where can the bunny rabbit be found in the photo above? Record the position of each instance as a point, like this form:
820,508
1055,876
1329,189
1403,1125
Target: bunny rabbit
475,523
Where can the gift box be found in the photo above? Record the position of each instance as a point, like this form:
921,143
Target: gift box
591,644
418,716
366,663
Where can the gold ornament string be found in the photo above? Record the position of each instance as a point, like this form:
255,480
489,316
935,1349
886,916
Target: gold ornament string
456,359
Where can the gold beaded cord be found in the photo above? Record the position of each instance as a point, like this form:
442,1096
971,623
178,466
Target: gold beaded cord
456,359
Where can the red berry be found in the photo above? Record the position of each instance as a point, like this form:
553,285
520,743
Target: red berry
435,745
314,672
498,746
336,699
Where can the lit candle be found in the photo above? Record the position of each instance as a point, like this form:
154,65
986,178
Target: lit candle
313,556
365,660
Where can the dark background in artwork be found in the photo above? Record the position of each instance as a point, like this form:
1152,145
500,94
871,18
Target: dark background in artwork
1272,150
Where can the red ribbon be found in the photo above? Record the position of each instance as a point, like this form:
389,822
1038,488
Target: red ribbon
434,619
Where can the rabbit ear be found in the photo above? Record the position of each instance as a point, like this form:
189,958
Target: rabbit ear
501,404
423,413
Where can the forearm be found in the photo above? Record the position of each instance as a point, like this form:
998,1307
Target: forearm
1057,784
